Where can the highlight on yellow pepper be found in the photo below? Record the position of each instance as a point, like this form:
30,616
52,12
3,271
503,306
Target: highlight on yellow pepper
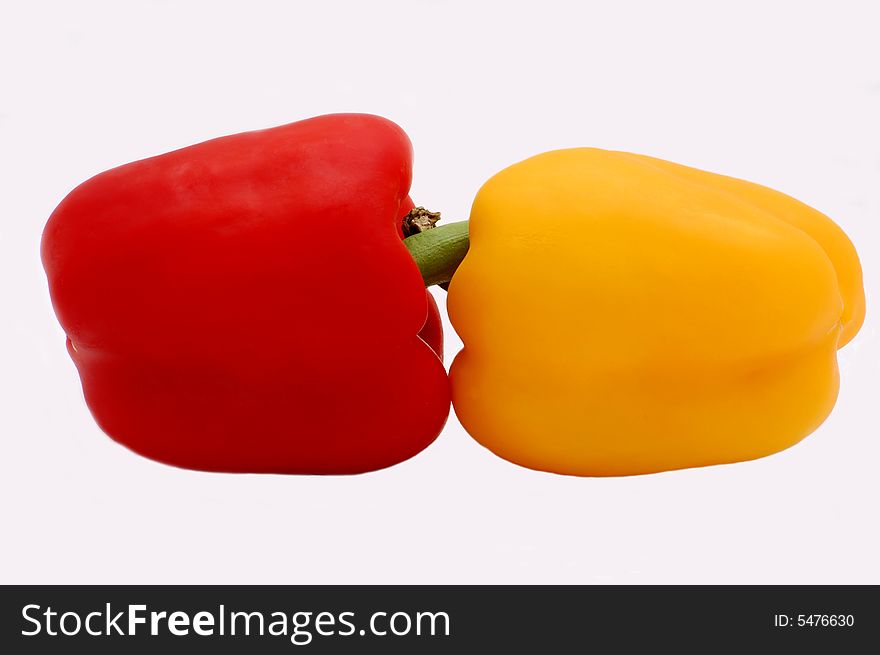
622,315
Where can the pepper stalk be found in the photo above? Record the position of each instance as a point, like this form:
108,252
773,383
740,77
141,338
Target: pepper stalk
437,251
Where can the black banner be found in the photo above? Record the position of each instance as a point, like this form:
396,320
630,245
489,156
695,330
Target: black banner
435,619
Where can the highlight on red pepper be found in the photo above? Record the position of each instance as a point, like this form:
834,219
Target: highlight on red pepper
621,314
247,304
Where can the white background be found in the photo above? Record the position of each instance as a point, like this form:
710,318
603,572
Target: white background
782,93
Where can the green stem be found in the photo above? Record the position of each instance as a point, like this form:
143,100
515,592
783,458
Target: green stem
438,251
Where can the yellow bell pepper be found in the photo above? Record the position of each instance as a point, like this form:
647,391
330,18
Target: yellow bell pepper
624,315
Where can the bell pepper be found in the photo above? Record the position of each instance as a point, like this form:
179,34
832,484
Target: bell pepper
247,305
622,315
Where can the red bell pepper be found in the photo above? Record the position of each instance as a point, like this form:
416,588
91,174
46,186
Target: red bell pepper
247,304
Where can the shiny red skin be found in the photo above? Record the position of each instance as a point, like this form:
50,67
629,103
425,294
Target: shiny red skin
246,304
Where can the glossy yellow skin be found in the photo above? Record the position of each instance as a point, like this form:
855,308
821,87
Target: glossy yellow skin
624,315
